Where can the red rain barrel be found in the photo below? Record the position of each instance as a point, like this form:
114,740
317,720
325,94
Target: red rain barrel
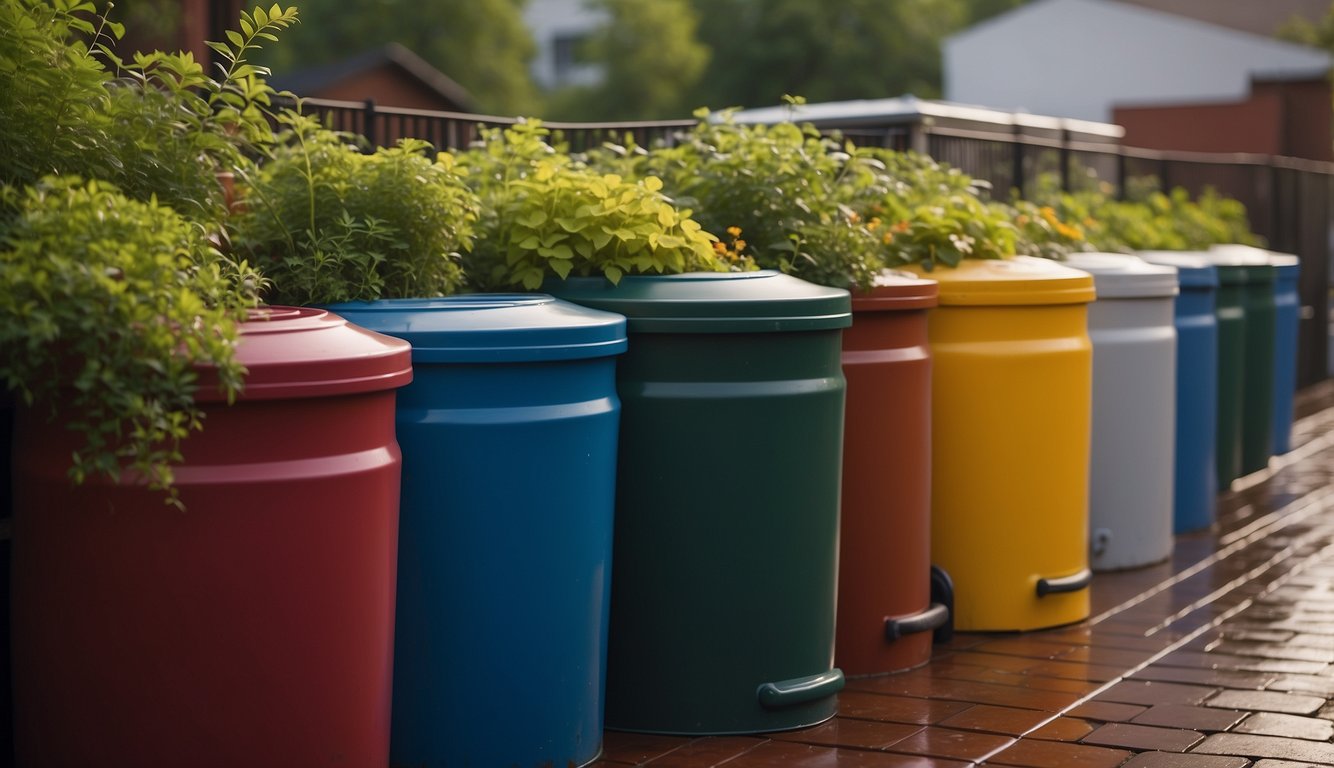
254,628
885,613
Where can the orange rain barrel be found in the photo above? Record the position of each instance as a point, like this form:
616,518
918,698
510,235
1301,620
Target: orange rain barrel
253,628
885,609
1011,409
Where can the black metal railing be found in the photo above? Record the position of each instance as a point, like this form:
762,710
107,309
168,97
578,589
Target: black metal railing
1288,200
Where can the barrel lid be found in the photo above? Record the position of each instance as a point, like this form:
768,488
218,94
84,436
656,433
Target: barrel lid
1287,264
297,352
1120,276
1194,270
492,327
1019,280
713,302
1253,261
894,290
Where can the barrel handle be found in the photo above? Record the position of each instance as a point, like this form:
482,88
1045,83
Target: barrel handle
926,621
800,690
1073,583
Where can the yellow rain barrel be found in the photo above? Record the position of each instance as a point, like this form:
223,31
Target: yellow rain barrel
1011,411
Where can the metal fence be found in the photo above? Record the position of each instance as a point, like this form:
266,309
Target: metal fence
1288,200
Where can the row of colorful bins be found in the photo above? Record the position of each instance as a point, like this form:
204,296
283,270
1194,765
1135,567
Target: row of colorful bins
727,532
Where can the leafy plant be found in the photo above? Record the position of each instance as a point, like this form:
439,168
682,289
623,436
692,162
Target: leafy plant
545,215
154,124
795,195
1153,220
932,214
326,223
1044,232
107,304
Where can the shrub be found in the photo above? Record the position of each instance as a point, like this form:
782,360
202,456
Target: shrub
326,223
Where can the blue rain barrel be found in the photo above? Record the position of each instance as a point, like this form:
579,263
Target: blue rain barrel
1196,480
509,436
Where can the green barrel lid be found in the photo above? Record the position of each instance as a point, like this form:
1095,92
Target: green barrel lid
712,302
1253,262
1016,281
1119,276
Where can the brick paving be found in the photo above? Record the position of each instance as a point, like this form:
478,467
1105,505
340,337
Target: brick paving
1222,657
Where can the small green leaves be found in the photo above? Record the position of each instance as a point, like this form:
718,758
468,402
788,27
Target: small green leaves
544,214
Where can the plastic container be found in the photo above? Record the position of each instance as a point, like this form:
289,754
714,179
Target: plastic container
1011,406
726,541
1195,485
1257,385
1287,321
256,626
508,434
886,615
1134,409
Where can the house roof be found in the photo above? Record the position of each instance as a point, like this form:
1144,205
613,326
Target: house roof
314,79
1275,58
1259,18
910,109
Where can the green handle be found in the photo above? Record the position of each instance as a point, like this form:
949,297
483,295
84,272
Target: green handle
800,690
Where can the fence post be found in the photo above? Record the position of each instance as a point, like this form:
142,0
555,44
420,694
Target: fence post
1120,172
369,130
1064,159
1017,168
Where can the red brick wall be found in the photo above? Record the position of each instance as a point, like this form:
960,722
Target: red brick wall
1279,118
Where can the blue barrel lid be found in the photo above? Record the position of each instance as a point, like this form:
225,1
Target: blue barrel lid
1121,276
1193,269
713,302
492,327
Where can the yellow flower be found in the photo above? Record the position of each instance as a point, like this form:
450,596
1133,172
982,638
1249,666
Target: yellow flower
734,231
1048,213
719,247
739,244
887,238
873,224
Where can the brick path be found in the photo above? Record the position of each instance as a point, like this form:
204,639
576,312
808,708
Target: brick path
1221,658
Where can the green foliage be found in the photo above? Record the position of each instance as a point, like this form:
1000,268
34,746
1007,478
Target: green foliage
1154,220
327,223
544,215
483,45
932,214
1048,234
795,196
827,212
106,306
651,58
154,124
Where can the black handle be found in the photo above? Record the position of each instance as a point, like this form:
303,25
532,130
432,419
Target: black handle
1065,583
926,621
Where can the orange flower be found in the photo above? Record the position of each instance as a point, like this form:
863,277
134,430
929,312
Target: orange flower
719,247
739,244
873,224
902,226
734,231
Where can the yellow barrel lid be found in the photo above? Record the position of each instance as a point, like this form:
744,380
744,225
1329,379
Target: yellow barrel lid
1019,280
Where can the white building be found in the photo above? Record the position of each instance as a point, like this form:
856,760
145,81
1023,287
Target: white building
559,27
1078,58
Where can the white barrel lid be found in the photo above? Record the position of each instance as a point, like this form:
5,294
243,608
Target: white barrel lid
1121,276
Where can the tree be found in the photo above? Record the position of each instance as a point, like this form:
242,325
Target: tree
763,49
651,57
482,44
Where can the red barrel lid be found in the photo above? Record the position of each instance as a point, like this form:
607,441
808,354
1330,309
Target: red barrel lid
894,290
293,352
